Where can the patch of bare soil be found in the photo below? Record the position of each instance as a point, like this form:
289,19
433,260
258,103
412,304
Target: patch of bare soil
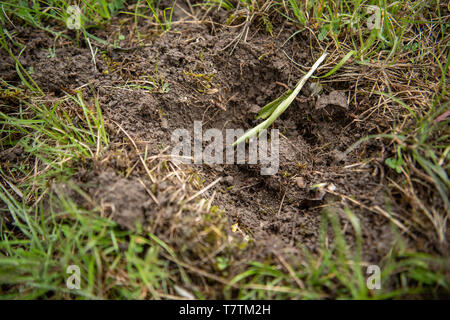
197,79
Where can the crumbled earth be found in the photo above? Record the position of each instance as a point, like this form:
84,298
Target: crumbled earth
197,76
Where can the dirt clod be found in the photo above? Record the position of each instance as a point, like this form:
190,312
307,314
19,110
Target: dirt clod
334,98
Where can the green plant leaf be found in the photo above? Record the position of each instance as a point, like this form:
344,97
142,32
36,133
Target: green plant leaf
282,102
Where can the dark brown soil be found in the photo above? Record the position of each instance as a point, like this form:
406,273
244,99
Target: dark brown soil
277,212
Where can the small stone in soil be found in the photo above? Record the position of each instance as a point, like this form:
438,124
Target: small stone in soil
228,180
164,123
300,182
339,155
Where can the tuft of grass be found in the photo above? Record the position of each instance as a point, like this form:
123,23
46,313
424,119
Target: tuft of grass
55,128
421,158
36,253
338,271
23,74
165,22
51,15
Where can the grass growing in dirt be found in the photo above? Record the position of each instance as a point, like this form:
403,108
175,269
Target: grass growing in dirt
393,52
